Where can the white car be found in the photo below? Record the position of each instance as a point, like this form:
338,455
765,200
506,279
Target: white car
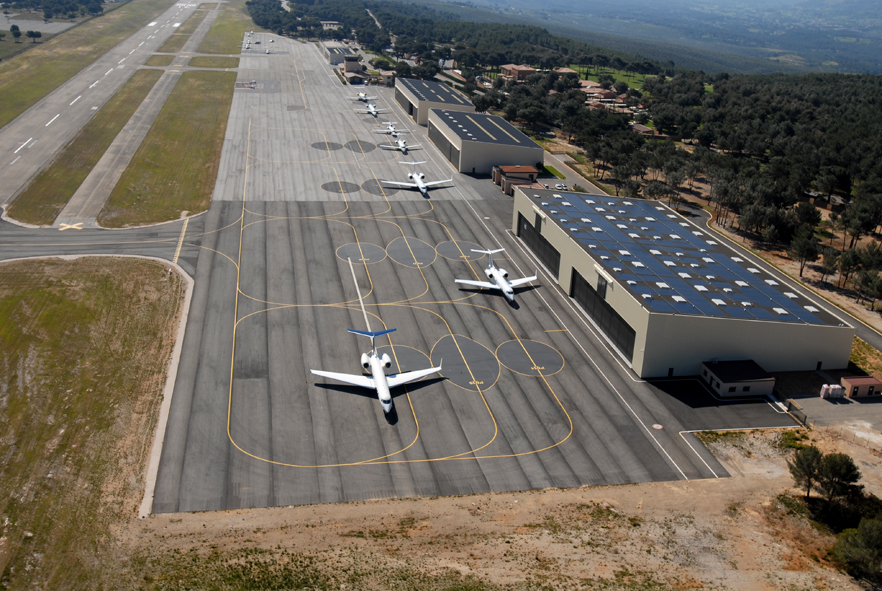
558,186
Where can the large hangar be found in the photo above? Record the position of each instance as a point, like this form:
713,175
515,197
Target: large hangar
417,97
667,295
476,142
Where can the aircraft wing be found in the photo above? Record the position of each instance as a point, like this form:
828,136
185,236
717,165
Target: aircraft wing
411,376
389,147
518,282
363,381
433,183
409,185
483,284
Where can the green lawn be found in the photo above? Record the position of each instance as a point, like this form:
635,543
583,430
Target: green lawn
45,197
228,30
84,345
29,77
206,61
554,172
633,80
176,166
159,60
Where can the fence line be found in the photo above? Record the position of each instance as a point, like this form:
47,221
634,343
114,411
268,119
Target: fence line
844,434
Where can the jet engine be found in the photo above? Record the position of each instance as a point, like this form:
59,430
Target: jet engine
504,273
410,176
365,362
387,362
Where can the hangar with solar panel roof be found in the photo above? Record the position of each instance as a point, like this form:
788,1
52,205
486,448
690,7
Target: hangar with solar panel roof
418,97
668,295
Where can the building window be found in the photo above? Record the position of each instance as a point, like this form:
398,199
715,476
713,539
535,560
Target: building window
731,388
607,319
854,391
601,286
704,373
717,385
745,389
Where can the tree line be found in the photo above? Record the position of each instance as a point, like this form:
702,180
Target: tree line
69,9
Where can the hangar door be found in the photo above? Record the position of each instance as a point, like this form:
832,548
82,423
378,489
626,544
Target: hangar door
610,322
539,245
404,102
442,143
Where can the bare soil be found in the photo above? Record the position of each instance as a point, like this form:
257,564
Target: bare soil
730,533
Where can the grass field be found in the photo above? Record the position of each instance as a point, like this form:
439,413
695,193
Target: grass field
633,80
45,197
206,61
227,32
159,60
28,77
175,168
8,47
85,345
179,38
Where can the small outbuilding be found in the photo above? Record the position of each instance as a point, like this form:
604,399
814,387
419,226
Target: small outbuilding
861,386
418,97
337,54
737,378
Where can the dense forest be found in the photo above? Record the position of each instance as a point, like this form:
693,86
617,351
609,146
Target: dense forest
69,9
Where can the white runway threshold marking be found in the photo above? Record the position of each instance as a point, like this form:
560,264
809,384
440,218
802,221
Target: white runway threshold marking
23,145
53,119
75,100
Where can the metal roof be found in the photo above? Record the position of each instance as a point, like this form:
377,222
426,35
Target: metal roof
481,127
434,92
671,265
746,370
340,50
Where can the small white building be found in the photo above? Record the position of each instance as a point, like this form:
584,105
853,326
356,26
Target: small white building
330,25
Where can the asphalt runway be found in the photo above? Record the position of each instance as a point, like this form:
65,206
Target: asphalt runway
29,142
528,396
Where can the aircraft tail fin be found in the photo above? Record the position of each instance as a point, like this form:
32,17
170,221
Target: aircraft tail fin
491,253
372,335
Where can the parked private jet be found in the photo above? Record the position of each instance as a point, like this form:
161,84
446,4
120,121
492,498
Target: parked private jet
390,129
371,109
498,277
363,97
376,364
418,182
400,145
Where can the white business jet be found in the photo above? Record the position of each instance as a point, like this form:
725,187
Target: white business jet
498,277
363,97
371,109
376,364
390,129
418,182
400,145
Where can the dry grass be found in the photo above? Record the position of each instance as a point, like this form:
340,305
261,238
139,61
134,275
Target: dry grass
45,197
159,61
214,62
32,75
85,345
179,38
866,358
175,168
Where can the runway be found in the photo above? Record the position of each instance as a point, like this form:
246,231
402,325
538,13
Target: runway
528,396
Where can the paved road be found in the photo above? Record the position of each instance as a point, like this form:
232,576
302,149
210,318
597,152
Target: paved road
30,141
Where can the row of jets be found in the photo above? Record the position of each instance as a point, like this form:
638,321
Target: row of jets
376,364
373,362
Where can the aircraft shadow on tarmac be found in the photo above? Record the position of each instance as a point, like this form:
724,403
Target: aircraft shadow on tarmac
391,417
498,294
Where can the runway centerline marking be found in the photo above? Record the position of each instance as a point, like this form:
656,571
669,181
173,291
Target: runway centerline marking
23,145
75,100
53,119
